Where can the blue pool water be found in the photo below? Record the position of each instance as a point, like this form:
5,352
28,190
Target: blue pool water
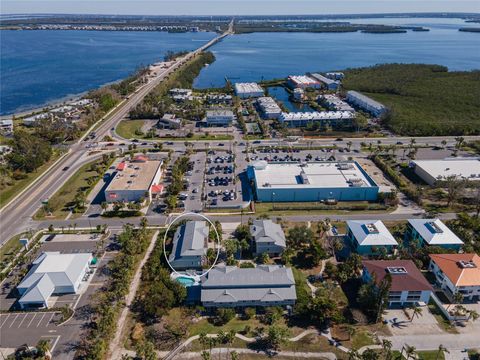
185,281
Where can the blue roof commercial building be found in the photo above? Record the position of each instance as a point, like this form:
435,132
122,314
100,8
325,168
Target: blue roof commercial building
309,182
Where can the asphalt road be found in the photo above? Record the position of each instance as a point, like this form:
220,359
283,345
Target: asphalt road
15,217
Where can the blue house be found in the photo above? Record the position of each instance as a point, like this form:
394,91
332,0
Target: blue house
368,237
432,232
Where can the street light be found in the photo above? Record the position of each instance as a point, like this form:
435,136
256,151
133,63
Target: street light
273,201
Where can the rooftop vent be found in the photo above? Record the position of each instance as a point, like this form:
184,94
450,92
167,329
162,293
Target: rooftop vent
345,166
433,227
467,264
396,270
371,228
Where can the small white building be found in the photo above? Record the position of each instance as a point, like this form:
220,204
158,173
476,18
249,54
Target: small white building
220,117
268,237
6,126
457,273
52,273
32,120
269,107
189,246
298,94
408,287
169,121
432,171
248,90
365,103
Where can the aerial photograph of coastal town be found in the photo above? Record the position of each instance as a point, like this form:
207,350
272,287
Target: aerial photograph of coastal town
240,179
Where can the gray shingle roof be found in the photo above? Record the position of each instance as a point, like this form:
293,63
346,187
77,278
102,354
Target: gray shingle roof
265,283
266,231
189,240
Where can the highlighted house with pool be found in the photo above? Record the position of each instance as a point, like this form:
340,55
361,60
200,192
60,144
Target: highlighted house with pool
189,246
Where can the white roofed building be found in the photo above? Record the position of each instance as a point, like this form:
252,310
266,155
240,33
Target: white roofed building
365,103
330,84
248,90
269,107
330,118
302,82
432,171
432,232
312,181
220,117
52,273
367,237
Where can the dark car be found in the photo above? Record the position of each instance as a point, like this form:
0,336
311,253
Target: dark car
66,168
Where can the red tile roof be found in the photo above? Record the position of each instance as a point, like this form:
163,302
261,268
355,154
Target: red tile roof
449,264
413,280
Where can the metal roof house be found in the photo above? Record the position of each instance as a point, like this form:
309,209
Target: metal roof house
367,237
432,232
364,102
265,285
268,237
189,246
408,286
52,273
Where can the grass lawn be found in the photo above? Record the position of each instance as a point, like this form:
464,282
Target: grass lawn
10,192
9,249
62,199
127,128
299,208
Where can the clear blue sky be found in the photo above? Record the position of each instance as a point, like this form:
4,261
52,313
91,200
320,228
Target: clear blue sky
235,7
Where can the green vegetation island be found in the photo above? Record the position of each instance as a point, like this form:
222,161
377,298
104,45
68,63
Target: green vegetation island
424,100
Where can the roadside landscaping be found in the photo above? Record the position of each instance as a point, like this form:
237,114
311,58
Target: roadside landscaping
8,192
72,195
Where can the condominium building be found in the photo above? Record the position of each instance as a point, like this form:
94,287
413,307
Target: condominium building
365,103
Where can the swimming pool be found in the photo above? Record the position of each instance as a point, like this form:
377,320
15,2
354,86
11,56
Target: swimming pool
185,281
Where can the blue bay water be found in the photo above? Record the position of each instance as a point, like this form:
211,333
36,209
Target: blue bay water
38,67
253,57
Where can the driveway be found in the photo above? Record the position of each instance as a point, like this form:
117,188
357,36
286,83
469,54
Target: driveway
400,324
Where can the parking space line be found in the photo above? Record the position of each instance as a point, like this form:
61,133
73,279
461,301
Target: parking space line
13,320
50,320
34,316
41,320
6,319
21,322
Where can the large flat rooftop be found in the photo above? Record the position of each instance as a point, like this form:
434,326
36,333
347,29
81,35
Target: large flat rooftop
135,176
310,175
440,169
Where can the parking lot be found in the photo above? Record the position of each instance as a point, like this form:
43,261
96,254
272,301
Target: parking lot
28,328
222,187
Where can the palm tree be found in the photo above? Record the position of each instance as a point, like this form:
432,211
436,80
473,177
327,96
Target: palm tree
444,143
416,311
472,314
350,331
457,299
410,351
387,348
349,145
440,349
